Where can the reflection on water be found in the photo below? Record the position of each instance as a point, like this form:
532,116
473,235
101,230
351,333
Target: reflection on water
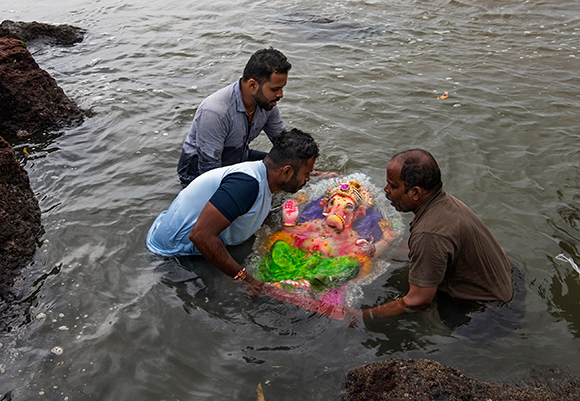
564,296
562,291
365,82
33,147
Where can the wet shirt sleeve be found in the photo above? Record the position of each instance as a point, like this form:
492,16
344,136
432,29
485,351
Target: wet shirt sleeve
429,257
212,131
235,195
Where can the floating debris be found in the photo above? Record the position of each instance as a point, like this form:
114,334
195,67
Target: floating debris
57,351
41,315
568,259
260,393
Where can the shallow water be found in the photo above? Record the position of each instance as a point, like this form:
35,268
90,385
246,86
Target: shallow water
365,80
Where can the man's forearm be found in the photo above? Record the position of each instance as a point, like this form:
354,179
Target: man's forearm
393,308
205,237
215,252
390,309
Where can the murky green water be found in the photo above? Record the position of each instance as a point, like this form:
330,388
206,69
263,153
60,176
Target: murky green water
365,80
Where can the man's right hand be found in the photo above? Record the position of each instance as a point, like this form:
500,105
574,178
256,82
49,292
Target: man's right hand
252,286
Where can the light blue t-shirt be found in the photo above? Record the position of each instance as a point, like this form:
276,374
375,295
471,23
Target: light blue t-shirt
169,234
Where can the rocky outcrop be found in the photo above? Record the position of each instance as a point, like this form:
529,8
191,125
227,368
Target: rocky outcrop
421,379
62,35
31,100
19,219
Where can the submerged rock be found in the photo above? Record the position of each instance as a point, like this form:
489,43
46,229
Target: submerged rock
19,219
421,379
63,35
31,99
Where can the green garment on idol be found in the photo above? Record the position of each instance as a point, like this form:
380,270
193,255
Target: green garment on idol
287,262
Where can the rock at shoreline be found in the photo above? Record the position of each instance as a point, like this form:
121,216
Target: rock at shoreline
19,219
63,35
31,103
421,379
31,99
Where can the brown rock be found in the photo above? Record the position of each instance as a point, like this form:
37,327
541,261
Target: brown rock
31,99
421,379
19,219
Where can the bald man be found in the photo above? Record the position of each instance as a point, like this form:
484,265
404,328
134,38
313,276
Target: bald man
450,248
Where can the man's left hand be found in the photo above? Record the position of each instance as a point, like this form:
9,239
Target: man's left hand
324,174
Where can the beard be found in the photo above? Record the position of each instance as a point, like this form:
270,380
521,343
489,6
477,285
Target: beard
292,185
262,101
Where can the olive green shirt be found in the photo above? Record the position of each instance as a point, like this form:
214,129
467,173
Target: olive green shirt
450,247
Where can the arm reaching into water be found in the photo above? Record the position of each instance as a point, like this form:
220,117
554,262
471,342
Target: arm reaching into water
205,237
418,298
324,174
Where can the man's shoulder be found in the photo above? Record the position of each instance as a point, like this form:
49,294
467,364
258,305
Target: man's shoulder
221,101
447,215
438,216
238,177
240,184
255,169
462,213
446,204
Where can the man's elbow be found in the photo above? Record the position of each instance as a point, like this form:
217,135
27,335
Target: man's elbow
416,307
194,237
419,298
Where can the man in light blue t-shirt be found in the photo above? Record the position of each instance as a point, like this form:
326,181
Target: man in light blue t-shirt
226,206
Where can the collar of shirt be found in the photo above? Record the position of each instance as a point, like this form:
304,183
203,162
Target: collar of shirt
238,96
240,107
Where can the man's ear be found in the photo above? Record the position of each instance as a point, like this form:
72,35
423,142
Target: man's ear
416,193
287,171
253,84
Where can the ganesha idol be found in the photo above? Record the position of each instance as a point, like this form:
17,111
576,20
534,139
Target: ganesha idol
317,253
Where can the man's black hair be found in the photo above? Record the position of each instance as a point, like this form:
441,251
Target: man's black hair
419,169
265,62
293,148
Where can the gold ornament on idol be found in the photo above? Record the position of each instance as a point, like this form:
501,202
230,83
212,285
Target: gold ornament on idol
352,189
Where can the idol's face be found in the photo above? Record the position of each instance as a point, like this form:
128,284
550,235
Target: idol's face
340,212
